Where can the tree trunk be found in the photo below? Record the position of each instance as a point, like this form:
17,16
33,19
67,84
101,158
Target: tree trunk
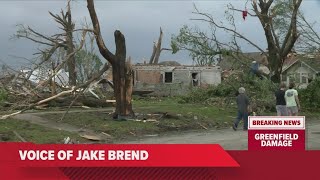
156,50
153,52
121,71
72,62
122,79
129,88
275,64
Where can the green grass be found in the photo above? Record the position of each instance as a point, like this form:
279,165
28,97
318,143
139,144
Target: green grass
101,122
172,106
180,117
31,132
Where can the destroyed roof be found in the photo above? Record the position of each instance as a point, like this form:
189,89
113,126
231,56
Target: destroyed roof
163,63
157,66
289,62
312,61
170,63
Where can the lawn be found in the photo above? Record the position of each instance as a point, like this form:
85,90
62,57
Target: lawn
30,132
178,117
175,117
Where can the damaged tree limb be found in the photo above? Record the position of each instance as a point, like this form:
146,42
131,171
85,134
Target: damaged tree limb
154,59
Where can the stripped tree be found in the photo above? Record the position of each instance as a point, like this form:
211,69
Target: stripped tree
65,20
121,70
157,49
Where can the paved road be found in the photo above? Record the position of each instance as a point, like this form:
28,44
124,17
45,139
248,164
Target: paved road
228,138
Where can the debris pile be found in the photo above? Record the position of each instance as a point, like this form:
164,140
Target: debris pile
24,90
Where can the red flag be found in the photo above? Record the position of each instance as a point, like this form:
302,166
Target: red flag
244,14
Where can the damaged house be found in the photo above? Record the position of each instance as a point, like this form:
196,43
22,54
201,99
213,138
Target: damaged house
300,69
171,80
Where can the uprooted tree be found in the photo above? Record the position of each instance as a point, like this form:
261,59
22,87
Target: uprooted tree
121,70
280,40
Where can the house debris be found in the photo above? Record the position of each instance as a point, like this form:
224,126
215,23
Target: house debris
40,88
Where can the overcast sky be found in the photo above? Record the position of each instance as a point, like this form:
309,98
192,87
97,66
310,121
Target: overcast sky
139,21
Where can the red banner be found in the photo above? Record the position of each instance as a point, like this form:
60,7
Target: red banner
176,161
167,155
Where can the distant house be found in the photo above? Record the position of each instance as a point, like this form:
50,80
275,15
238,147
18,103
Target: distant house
168,80
301,69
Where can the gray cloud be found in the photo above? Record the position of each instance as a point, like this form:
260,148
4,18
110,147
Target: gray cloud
138,20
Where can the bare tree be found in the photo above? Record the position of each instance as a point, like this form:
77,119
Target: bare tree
65,20
56,41
122,70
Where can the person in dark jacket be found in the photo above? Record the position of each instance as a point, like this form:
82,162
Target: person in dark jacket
243,109
281,101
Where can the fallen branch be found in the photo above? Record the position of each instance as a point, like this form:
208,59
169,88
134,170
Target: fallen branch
106,134
132,133
74,100
203,126
38,103
55,96
9,115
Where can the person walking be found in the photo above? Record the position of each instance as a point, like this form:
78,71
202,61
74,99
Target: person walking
292,100
280,101
243,109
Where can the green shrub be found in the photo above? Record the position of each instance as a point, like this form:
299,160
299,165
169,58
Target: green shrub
195,96
310,97
260,92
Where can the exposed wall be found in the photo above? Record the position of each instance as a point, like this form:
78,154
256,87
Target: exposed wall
152,78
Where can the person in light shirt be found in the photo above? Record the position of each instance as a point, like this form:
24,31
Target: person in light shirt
292,100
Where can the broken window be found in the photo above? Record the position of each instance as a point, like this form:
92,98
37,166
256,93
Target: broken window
284,77
168,77
133,78
304,78
195,79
